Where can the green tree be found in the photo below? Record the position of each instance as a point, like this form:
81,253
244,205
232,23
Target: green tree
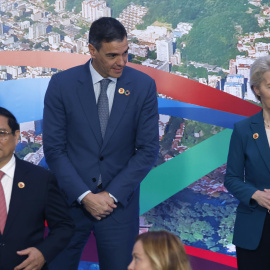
152,55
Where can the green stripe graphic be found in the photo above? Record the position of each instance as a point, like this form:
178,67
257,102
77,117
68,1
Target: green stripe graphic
183,170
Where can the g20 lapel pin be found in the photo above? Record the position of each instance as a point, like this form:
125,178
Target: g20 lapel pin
255,136
127,93
21,184
121,91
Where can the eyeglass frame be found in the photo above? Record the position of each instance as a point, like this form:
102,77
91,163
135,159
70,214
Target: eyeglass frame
4,134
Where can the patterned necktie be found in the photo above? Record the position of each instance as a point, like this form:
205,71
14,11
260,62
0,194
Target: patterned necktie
103,105
3,207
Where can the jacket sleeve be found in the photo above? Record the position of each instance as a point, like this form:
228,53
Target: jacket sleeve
55,141
59,223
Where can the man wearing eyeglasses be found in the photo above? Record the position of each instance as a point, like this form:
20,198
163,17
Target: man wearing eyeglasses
29,195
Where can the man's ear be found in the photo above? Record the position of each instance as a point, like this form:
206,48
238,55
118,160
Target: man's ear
92,50
17,135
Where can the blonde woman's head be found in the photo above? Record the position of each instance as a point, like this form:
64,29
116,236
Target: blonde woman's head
159,250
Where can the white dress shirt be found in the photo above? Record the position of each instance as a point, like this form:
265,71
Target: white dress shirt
96,78
268,135
7,180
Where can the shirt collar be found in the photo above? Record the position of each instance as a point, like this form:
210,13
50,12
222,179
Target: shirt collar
9,168
96,77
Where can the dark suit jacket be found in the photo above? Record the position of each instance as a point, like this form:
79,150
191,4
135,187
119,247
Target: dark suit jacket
73,143
40,199
248,170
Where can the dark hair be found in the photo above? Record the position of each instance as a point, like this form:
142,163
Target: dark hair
12,121
106,29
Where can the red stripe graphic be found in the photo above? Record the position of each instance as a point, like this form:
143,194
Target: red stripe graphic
177,87
211,256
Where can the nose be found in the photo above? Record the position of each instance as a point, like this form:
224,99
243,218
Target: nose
131,265
121,60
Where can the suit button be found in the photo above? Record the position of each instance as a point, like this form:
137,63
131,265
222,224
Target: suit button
101,158
94,180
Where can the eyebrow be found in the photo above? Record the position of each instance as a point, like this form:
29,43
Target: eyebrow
115,54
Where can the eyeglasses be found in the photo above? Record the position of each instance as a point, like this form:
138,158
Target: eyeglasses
4,135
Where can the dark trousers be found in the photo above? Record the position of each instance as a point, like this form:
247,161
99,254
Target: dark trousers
114,240
260,257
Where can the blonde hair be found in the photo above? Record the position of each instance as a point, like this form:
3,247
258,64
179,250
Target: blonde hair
257,70
165,250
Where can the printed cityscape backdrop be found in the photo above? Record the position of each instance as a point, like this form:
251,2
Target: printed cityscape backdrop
213,42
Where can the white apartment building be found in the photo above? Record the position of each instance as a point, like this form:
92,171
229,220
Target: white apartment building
82,45
95,9
164,49
3,75
183,28
235,79
69,39
8,40
60,5
150,35
36,30
249,95
37,16
214,80
54,38
1,29
14,71
138,50
176,58
25,25
243,69
234,89
157,64
131,16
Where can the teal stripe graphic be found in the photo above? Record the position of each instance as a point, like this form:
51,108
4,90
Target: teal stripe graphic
183,170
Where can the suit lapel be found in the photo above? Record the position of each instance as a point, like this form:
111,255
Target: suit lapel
119,105
257,126
17,195
87,99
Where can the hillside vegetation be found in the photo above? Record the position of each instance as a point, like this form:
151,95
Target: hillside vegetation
216,24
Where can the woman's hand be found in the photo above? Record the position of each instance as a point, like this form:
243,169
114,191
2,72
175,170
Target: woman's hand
262,198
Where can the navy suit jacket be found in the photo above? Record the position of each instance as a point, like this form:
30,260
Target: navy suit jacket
248,170
30,206
73,143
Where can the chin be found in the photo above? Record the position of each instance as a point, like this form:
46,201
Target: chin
116,75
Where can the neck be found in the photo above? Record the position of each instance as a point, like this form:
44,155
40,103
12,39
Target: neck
266,116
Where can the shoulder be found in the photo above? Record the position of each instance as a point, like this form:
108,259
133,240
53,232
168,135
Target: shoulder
245,123
74,71
30,168
128,71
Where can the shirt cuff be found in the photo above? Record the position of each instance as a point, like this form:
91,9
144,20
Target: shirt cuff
113,197
79,200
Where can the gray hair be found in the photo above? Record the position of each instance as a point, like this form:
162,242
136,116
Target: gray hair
257,70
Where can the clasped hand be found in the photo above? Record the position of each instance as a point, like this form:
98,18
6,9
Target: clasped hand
262,198
99,205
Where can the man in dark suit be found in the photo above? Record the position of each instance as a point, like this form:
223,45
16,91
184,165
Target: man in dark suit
29,195
100,162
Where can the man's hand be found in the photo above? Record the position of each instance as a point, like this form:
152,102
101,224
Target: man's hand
99,205
262,198
35,260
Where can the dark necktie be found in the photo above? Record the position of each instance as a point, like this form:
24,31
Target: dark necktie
3,207
103,105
